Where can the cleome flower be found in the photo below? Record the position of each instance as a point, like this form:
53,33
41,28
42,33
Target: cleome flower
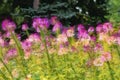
70,32
24,27
80,27
98,62
91,29
34,38
10,54
26,45
8,25
57,27
99,28
106,56
1,42
62,38
40,23
54,20
107,27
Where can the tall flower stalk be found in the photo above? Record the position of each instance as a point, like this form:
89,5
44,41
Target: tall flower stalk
45,44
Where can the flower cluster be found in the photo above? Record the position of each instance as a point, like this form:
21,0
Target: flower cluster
66,40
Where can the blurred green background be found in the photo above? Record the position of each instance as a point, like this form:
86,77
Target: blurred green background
70,12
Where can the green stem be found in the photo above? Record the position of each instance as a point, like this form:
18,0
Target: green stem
4,64
111,71
3,75
73,68
96,73
45,44
20,64
118,51
21,52
1,51
6,68
27,33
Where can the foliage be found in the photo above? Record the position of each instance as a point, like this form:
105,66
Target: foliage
5,8
72,11
114,11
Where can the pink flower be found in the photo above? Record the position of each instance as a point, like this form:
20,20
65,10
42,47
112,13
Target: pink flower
93,38
40,23
54,20
99,28
111,40
118,40
91,30
98,62
7,34
107,27
1,42
89,63
83,34
10,54
45,22
98,47
80,27
57,27
70,32
36,22
87,48
116,37
62,38
19,36
34,38
62,50
106,56
103,37
24,27
8,25
26,45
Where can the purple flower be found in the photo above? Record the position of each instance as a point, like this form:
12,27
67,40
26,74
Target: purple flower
99,28
106,56
98,62
34,38
53,20
98,47
19,37
91,29
45,22
80,27
93,38
83,34
24,27
87,48
1,42
7,34
107,27
26,45
11,53
62,38
36,22
70,32
40,23
57,27
8,25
